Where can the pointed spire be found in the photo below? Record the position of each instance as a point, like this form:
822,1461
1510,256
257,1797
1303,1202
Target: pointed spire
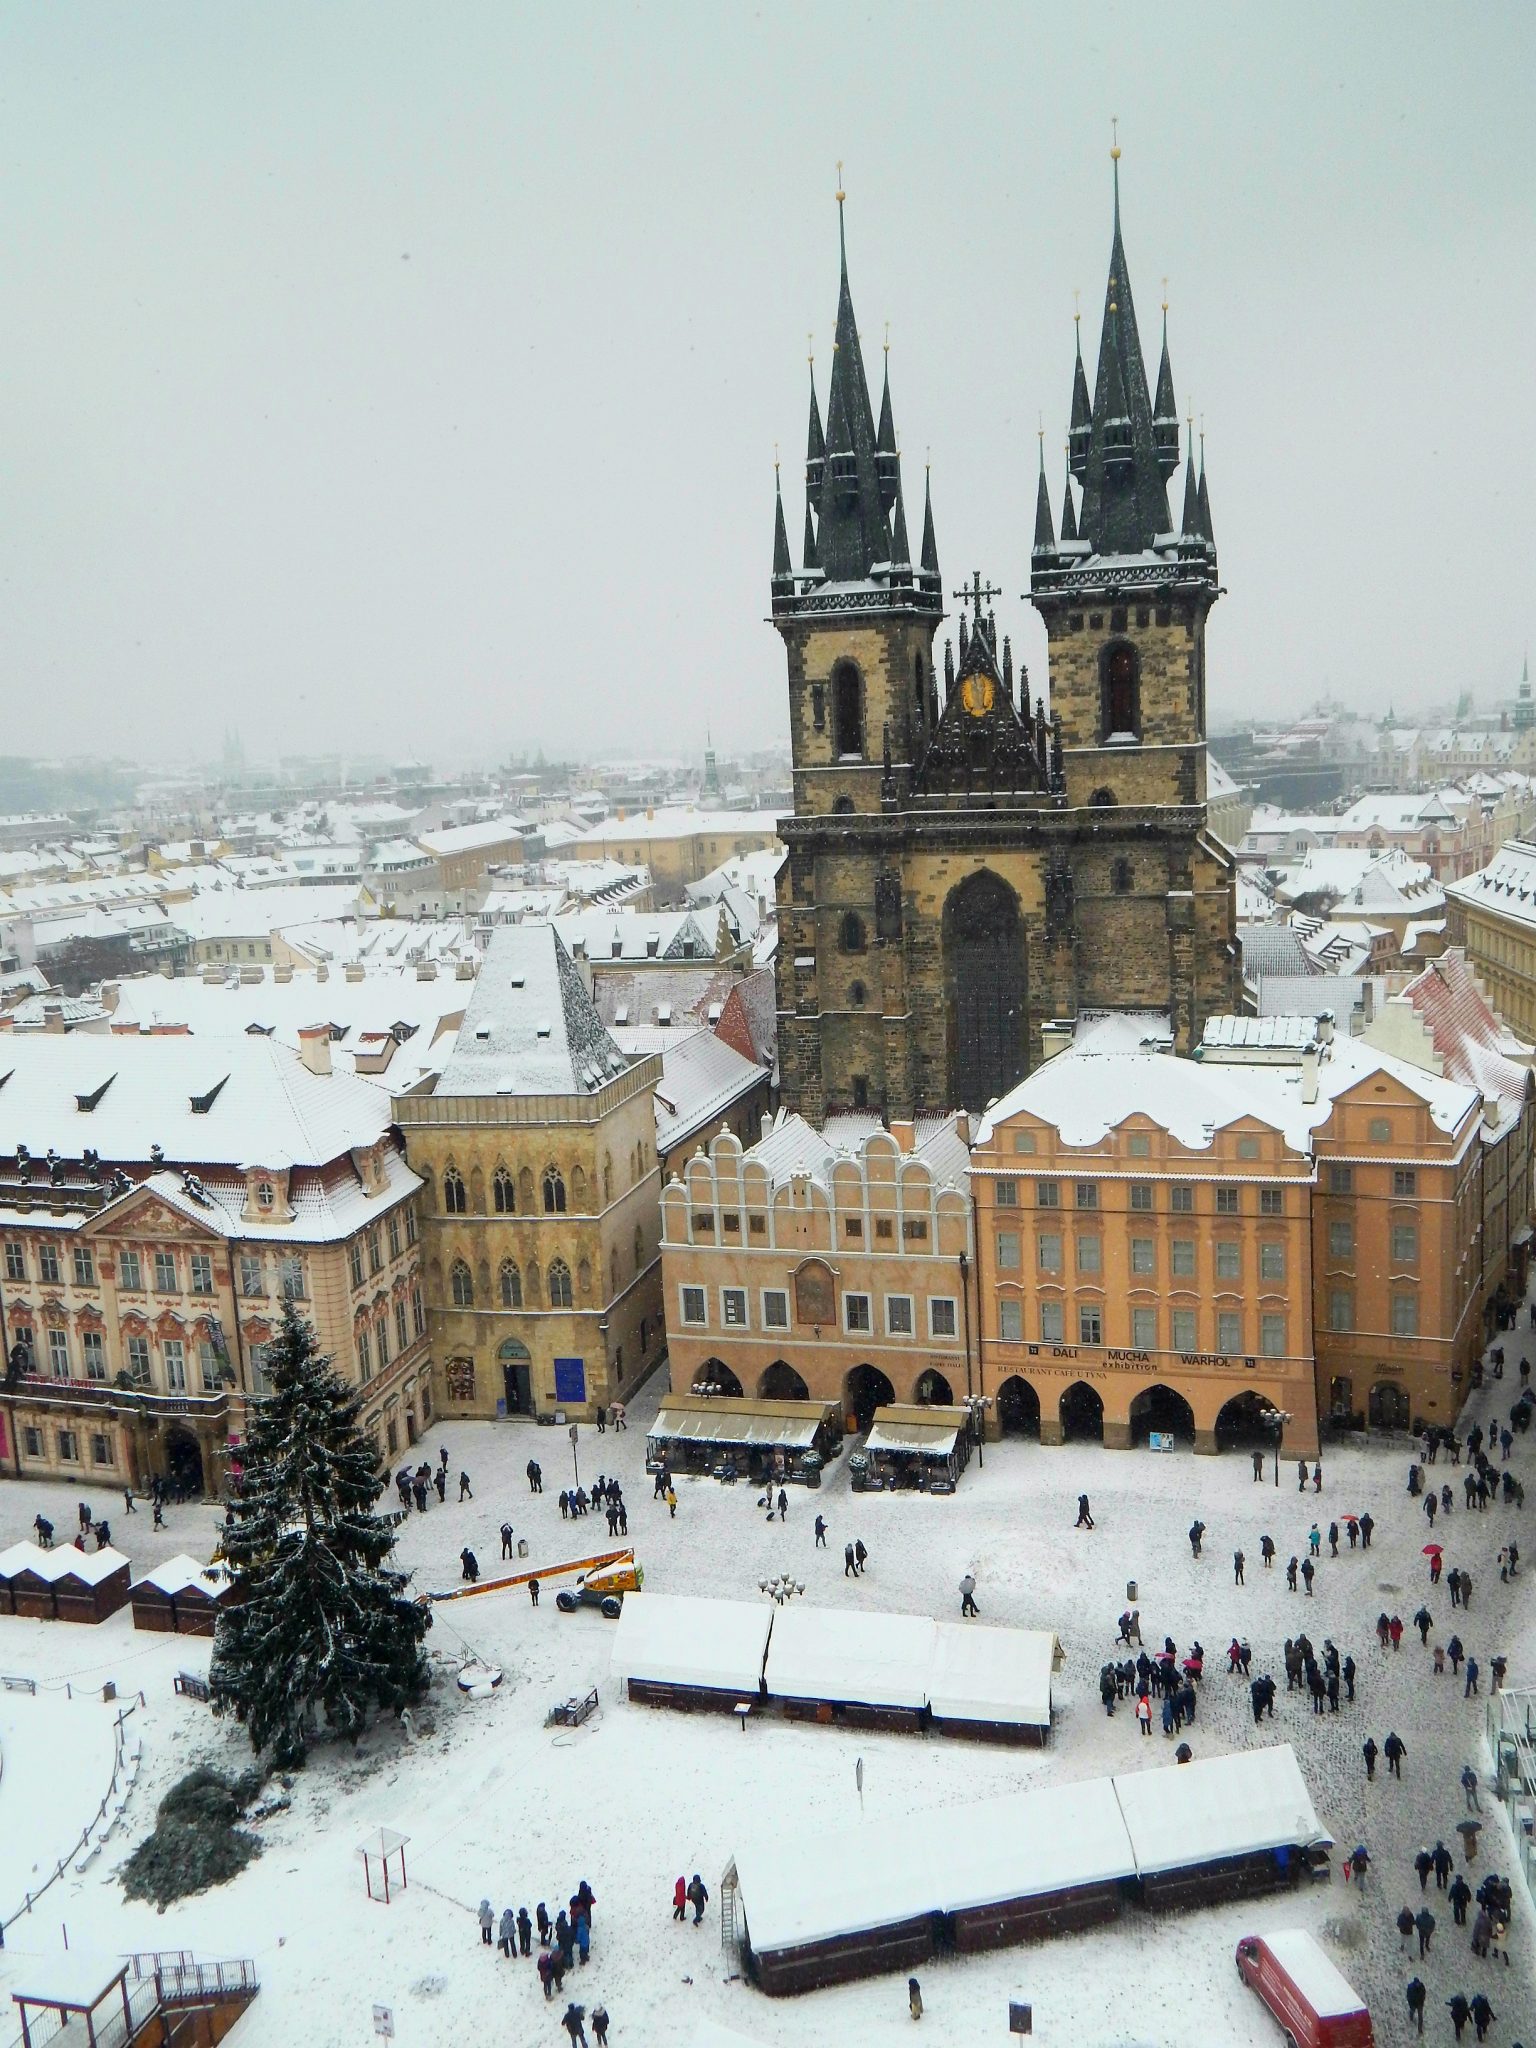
1206,527
1068,515
783,568
815,440
901,547
809,555
1165,412
930,562
1045,531
885,436
1081,427
852,529
1189,524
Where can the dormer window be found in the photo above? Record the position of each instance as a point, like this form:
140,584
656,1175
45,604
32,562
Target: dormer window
266,1195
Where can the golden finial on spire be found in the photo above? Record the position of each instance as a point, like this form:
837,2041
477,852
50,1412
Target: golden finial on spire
810,349
841,194
1165,294
1077,306
775,461
1114,127
887,337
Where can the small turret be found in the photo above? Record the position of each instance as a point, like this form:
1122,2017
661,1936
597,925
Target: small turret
816,443
783,579
1165,412
1206,528
1045,531
887,461
930,563
1068,513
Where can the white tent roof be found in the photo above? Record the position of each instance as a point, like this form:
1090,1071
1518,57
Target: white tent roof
1178,1814
937,1440
676,1639
991,1674
720,1426
825,1653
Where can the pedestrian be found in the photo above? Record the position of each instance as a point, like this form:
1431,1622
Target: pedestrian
680,1899
783,1505
1472,1677
565,1506
1267,1551
602,1420
128,1506
1349,1678
1395,1630
1237,1568
546,1969
1405,1927
1084,1518
1482,1933
439,1479
914,1998
465,1491
1442,1857
600,2013
1431,1506
1333,1539
1459,2010
487,1921
506,1539
1301,1475
1394,1749
1333,1692
506,1934
1317,1478
1460,1896
671,1505
1424,1621
1366,1526
1483,2015
850,1569
1466,1589
1258,1466
1144,1713
1424,1920
1455,1652
1439,1660
1423,1863
541,1914
1196,1531
470,1568
698,1894
1498,1666
533,1591
860,1555
1416,1995
159,1521
1383,1631
442,1453
968,1595
1308,1573
1290,1575
1315,1540
821,1533
572,2020
524,1931
530,1468
1352,1530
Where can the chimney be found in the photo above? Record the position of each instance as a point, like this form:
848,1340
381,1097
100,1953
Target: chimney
354,971
1325,1028
963,1126
1309,1073
1490,1111
315,1047
110,993
904,1132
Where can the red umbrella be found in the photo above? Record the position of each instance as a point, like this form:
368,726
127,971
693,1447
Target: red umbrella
1349,1518
1434,1549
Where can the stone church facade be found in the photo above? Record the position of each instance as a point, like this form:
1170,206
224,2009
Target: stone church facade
967,867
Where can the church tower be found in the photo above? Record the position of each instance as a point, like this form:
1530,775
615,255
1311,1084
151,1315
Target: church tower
965,866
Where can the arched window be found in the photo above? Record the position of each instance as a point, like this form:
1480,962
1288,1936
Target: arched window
1120,681
559,1284
847,709
554,1191
607,1178
842,807
639,1247
511,1285
454,1202
919,695
850,932
579,1189
461,1285
1122,878
503,1193
857,995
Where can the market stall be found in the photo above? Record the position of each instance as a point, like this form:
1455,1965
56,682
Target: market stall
992,1683
1224,1828
922,1448
674,1650
731,1438
864,1670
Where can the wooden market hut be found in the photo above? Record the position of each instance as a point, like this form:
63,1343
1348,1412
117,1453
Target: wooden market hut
181,1596
29,1575
992,1684
91,1585
861,1670
1226,1827
675,1650
762,1439
923,1447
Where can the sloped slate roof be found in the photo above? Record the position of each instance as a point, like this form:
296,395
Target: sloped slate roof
531,1028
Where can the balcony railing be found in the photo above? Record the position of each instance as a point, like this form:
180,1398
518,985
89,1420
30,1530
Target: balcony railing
45,1388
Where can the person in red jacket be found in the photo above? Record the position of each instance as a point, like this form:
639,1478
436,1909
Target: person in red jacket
680,1899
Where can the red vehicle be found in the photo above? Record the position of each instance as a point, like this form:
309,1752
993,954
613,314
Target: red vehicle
1312,2001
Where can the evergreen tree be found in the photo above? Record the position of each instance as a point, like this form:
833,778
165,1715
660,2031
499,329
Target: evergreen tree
320,1625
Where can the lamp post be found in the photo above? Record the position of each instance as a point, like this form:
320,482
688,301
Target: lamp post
1277,1419
976,1406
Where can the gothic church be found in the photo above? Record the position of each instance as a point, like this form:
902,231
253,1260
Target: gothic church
967,867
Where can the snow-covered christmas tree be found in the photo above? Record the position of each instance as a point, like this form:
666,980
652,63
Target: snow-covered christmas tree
320,1626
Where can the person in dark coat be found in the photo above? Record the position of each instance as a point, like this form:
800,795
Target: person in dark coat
1301,1475
532,1470
1483,2015
821,1533
506,1539
1482,1932
1290,1574
1348,1670
546,1970
914,1998
524,1931
1370,1752
1416,1995
1196,1531
860,1555
1084,1518
1443,1866
1455,1652
471,1568
1459,2011
1405,1926
506,1933
573,2020
850,1569
1317,1478
1424,1621
1394,1749
1237,1567
440,1481
1256,1694
1333,1539
600,2013
698,1897
1308,1573
1460,1896
1424,1920
1423,1863
541,1914
1267,1551
1366,1526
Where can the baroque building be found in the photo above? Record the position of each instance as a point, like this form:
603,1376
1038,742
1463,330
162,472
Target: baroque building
967,865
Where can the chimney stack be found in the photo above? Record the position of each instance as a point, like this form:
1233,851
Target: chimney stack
315,1047
1309,1073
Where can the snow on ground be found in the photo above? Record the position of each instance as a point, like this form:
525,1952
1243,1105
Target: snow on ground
496,1804
56,1756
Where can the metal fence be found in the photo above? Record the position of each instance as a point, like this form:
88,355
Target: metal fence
124,1768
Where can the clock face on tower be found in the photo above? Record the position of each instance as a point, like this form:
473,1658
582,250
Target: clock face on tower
977,694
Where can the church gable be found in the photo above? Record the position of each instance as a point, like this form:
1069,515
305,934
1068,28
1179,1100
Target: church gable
981,742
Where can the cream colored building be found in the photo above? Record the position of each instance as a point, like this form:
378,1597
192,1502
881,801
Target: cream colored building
537,1147
162,1197
678,844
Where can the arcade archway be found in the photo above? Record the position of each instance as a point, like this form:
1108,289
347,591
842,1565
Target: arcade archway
1082,1415
1018,1408
1161,1411
866,1389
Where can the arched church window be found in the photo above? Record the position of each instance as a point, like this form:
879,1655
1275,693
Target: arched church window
511,1285
1121,676
857,995
454,1202
554,1191
503,1193
1122,878
559,1284
842,807
847,709
462,1285
1102,800
850,932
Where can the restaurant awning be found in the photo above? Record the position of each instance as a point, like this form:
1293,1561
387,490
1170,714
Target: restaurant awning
934,1440
712,1426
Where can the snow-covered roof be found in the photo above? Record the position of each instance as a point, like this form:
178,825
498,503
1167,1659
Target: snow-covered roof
47,1565
235,1101
1290,1031
991,1674
1239,1805
1471,1039
76,1980
177,1574
257,913
677,1639
681,822
91,1567
701,1076
455,839
826,1653
1506,887
625,936
531,1028
1308,995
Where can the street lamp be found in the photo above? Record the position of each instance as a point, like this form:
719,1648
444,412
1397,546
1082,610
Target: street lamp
1277,1418
780,1590
976,1406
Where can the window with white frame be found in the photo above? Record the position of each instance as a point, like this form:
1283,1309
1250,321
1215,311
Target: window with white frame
1052,1323
856,1317
733,1307
136,1355
69,1447
1090,1323
1184,1334
418,1312
1229,1259
1341,1308
1181,1260
1229,1332
1341,1240
252,1279
101,1448
15,1260
394,1233
355,1262
85,1266
210,1373
1272,1336
291,1276
1405,1314
1141,1194
261,1375
93,1351
1227,1202
1010,1319
58,1354
1008,1251
410,1226
775,1309
1143,1255
1405,1244
693,1306
1048,1251
175,1365
941,1316
1271,1201
129,1278
1007,1194
201,1273
165,1273
1088,1254
1181,1199
381,1338
1144,1329
48,1263
1272,1261
898,1315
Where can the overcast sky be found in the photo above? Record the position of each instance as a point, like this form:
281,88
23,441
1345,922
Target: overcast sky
410,377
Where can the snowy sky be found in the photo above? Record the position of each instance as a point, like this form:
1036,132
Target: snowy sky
422,368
